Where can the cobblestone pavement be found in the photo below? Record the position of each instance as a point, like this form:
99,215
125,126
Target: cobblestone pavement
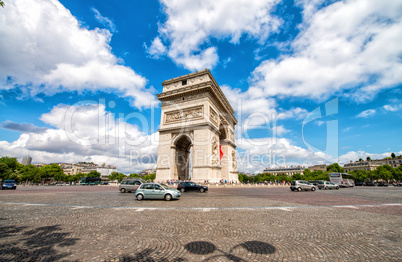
226,224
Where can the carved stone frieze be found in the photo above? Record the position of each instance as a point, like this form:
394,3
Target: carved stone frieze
184,115
234,160
213,116
215,151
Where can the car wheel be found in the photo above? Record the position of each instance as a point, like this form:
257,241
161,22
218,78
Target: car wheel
202,190
140,197
168,197
299,189
325,188
123,190
313,189
337,187
292,189
182,190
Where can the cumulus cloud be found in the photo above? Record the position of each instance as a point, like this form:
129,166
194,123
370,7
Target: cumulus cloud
82,131
191,24
257,154
341,46
45,50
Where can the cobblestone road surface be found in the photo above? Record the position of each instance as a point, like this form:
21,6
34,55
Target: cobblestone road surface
226,224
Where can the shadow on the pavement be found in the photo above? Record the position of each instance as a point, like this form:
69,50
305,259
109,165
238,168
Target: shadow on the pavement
37,244
203,248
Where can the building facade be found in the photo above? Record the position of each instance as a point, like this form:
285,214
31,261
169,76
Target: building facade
369,165
288,171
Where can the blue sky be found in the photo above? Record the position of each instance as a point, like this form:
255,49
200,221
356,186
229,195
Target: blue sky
311,81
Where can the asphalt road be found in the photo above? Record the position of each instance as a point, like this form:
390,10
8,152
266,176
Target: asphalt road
249,223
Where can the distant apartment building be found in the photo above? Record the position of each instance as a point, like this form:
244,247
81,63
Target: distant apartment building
369,165
146,172
322,168
288,171
85,168
26,160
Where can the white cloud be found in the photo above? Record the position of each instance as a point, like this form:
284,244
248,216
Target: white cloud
191,24
44,50
82,131
104,20
392,108
157,49
258,154
340,46
356,155
367,113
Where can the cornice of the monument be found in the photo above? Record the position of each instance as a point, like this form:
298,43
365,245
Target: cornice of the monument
214,87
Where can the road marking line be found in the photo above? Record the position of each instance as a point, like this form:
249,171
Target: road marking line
205,209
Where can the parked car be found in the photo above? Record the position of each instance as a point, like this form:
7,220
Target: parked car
370,184
317,182
300,185
191,186
328,185
359,183
130,185
9,184
105,183
156,191
383,184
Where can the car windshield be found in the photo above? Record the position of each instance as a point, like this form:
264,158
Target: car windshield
165,186
9,181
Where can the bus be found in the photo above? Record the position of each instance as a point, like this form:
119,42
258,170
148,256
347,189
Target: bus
342,179
90,181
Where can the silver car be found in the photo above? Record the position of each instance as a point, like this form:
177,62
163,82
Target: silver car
328,185
156,191
300,185
130,185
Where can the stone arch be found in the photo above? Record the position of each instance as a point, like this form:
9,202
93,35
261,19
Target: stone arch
182,146
196,121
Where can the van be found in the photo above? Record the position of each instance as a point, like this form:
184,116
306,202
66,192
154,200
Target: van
130,185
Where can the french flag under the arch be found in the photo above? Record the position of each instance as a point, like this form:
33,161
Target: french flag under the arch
220,152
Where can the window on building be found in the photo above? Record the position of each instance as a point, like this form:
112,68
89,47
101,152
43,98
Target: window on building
184,82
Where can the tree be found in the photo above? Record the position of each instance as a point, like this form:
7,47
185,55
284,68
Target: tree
335,167
368,158
134,175
117,176
393,155
5,171
94,174
50,172
1,3
150,177
384,172
297,176
11,162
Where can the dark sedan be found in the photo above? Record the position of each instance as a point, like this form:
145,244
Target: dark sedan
191,186
9,184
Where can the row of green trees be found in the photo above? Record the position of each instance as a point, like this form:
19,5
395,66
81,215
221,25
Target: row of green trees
384,172
11,169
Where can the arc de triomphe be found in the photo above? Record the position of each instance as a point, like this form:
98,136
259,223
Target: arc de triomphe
196,135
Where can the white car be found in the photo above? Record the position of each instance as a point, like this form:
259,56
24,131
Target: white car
328,185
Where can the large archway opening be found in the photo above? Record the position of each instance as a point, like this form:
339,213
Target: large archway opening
183,158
